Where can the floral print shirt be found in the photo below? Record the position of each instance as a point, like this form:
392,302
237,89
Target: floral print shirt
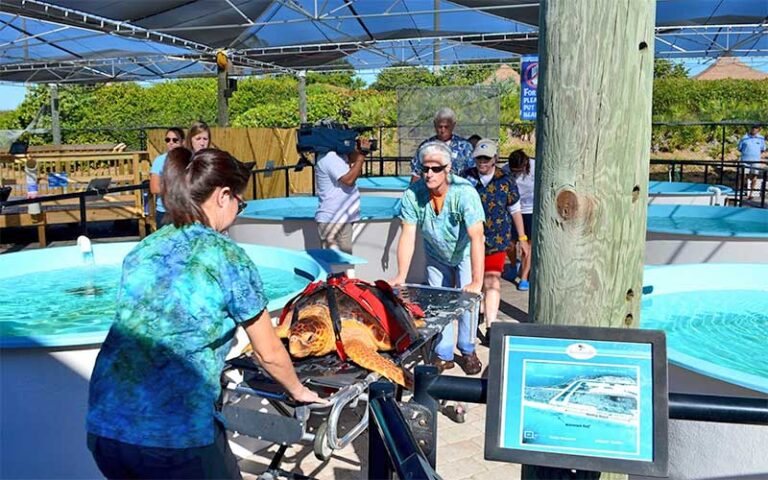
156,379
461,155
496,197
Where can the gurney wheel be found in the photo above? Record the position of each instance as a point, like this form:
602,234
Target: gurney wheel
320,446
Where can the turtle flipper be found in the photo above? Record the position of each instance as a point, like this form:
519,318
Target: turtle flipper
370,359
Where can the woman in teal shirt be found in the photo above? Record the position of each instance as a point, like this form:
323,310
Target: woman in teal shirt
184,291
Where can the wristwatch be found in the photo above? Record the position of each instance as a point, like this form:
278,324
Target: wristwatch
522,238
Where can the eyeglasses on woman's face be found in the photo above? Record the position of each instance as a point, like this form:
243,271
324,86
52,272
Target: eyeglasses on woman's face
438,169
240,204
172,140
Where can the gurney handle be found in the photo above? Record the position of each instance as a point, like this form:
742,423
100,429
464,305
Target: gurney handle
341,399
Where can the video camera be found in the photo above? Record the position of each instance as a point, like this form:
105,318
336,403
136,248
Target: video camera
332,136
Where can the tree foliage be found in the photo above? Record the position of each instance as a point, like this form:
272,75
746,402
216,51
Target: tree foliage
117,112
663,68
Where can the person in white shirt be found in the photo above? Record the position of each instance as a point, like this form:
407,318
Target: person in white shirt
339,206
521,167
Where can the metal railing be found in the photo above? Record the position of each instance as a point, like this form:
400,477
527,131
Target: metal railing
287,169
728,173
81,196
412,457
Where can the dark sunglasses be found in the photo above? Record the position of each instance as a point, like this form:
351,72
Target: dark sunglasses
171,140
434,169
240,204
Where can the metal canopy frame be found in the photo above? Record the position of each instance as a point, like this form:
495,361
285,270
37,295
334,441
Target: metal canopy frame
166,40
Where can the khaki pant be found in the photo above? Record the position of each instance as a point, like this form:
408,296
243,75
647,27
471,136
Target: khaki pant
336,235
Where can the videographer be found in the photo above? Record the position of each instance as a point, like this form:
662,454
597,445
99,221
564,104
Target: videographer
339,207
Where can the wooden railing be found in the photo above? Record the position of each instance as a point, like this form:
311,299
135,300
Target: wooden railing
60,173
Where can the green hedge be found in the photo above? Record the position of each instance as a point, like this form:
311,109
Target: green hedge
273,101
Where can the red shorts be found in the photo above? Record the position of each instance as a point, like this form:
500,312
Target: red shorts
495,262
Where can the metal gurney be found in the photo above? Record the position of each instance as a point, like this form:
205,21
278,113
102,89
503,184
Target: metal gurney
248,389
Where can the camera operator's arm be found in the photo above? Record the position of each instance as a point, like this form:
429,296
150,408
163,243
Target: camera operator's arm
355,165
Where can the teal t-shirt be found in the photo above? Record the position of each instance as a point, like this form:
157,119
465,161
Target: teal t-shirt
445,235
157,169
156,379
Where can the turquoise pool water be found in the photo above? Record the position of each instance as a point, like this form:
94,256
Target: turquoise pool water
82,299
715,317
50,298
729,328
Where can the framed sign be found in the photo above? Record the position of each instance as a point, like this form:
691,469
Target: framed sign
582,398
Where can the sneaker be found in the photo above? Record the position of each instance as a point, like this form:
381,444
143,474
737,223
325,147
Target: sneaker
523,285
470,363
443,365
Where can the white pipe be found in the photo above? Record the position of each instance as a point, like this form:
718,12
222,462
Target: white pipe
717,198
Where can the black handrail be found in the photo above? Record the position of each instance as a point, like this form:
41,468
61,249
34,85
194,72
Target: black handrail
287,168
391,433
79,195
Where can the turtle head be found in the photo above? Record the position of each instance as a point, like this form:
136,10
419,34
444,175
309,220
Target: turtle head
309,337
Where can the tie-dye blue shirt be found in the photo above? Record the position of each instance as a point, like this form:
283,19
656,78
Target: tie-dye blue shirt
445,235
156,379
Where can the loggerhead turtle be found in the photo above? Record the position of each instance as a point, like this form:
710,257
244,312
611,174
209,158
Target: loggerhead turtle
362,336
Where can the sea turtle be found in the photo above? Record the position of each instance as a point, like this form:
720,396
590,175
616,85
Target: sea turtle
362,335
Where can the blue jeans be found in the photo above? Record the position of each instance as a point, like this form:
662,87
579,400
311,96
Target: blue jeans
442,275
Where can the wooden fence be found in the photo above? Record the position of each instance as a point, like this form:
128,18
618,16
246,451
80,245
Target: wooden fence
260,145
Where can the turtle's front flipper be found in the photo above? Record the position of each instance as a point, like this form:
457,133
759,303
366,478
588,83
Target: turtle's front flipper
370,359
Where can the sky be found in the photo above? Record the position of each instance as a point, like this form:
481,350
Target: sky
11,96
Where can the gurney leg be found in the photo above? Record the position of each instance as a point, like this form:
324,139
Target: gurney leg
274,472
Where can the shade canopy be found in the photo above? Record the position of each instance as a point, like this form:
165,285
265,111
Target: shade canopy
69,41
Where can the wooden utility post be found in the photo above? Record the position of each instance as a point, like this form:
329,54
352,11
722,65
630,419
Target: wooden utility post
55,124
592,150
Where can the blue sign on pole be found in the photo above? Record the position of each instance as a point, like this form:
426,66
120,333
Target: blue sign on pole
58,179
529,80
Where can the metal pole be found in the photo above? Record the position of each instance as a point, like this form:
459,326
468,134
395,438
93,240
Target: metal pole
55,125
722,156
708,408
222,118
424,377
436,46
402,450
381,152
379,466
83,221
303,96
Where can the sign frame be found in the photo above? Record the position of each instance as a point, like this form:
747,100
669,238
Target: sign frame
500,332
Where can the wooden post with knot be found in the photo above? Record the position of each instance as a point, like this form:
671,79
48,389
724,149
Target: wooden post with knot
593,147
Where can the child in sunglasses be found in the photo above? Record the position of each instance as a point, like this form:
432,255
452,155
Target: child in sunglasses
174,137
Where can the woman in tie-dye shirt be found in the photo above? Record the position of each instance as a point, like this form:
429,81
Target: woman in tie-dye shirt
184,291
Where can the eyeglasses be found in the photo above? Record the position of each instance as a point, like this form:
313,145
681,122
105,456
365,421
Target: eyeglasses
483,159
171,140
240,204
425,169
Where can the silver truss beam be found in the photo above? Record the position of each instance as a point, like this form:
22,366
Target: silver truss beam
354,45
38,10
